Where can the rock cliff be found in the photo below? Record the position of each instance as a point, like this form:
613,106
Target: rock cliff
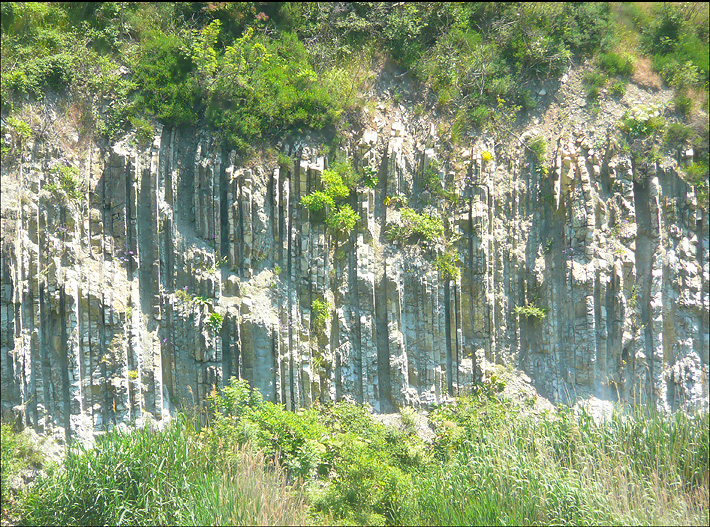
173,268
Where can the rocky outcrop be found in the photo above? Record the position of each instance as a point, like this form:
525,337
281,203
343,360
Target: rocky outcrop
178,268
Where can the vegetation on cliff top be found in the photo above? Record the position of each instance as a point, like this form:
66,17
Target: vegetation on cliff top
255,72
488,462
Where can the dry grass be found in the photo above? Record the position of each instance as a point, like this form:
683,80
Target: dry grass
645,77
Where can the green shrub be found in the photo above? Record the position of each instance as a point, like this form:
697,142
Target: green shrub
286,164
144,130
343,220
538,146
183,296
618,89
683,103
446,264
369,177
334,186
419,226
23,129
642,121
677,134
216,321
67,181
698,175
162,73
531,311
318,201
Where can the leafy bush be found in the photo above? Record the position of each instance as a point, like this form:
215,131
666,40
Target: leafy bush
369,177
531,311
343,220
67,181
419,226
162,71
334,185
317,201
286,164
683,103
446,264
698,175
215,321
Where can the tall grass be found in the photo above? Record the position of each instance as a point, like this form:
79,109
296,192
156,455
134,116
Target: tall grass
489,463
152,477
640,469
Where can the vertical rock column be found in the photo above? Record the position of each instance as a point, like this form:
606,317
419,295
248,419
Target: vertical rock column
366,306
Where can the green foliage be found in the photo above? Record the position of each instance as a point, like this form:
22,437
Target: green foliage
68,182
335,190
162,71
20,127
334,185
618,89
677,40
431,180
698,175
343,220
320,311
317,201
531,311
538,146
417,227
557,468
446,264
677,134
16,454
592,81
345,170
204,300
286,164
369,177
183,296
215,321
614,64
683,103
642,121
161,477
258,86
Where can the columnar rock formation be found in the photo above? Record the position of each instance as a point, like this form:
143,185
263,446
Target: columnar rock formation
98,327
